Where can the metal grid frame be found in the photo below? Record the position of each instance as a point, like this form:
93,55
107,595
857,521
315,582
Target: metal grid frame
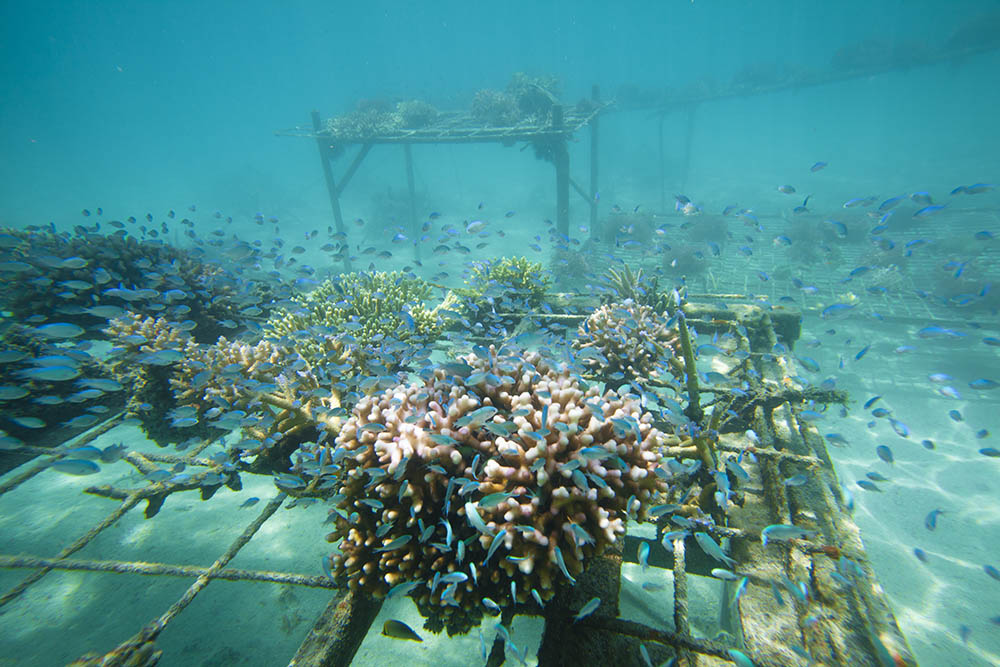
839,627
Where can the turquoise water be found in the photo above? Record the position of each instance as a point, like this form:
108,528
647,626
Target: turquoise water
144,108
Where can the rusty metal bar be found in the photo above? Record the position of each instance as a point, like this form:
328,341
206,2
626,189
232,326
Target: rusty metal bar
127,504
681,626
339,631
156,569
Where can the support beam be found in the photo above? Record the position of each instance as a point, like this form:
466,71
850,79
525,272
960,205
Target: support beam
339,631
561,160
663,169
414,229
331,187
595,96
353,167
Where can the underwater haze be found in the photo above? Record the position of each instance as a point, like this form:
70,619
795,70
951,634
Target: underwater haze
161,188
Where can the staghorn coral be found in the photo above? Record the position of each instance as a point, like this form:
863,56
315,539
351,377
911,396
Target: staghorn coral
510,279
416,113
635,286
628,339
371,306
498,453
363,124
182,389
71,274
535,95
148,348
49,406
492,107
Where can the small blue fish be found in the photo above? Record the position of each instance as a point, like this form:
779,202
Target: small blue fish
885,454
562,565
930,521
836,310
928,210
784,532
75,466
588,609
871,401
712,548
643,555
796,480
900,428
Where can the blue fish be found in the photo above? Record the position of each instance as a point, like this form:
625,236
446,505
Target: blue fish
928,210
75,466
836,310
839,227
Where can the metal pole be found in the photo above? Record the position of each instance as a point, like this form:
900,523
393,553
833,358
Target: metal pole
663,174
324,157
414,229
561,160
688,141
595,95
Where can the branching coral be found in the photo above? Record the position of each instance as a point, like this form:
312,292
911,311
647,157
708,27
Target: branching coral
149,347
628,341
88,277
510,281
492,107
182,389
369,306
416,113
635,286
498,477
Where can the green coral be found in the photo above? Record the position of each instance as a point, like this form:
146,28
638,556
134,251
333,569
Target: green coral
370,306
637,287
511,278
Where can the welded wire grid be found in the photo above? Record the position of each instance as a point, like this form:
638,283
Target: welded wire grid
142,644
785,445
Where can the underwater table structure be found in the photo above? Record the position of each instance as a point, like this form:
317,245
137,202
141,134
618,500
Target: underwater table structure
795,601
548,135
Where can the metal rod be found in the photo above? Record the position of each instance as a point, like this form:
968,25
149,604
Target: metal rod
219,564
353,168
681,625
595,96
323,144
662,163
414,229
337,635
688,141
164,569
579,190
80,543
693,409
561,160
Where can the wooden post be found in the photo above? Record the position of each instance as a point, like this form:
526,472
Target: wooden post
331,186
561,160
595,95
414,229
663,171
688,141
